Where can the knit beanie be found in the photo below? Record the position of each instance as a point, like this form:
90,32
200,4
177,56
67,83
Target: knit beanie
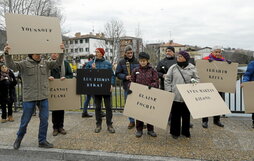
143,55
102,51
185,55
171,48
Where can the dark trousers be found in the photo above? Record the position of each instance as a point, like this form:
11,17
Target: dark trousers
58,119
215,118
253,118
4,112
107,102
140,125
180,112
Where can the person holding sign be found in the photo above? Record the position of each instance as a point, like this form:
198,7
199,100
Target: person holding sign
100,63
181,73
215,56
249,76
61,72
146,75
34,74
123,72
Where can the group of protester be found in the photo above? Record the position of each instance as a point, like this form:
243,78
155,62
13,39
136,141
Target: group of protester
36,73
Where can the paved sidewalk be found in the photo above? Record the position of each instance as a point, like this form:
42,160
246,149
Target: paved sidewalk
233,142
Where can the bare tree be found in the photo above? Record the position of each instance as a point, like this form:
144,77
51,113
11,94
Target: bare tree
29,7
114,29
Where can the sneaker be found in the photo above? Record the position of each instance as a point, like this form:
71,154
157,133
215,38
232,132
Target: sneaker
219,124
131,125
152,133
205,124
55,132
3,121
139,134
103,114
86,114
17,143
10,118
111,129
97,129
45,144
62,131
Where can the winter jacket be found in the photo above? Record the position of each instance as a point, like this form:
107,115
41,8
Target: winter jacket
163,67
102,64
34,76
211,57
249,74
7,88
56,72
174,77
146,76
121,70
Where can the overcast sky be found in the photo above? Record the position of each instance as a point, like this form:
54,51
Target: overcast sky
229,23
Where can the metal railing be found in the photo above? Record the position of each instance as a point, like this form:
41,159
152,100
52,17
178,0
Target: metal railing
233,100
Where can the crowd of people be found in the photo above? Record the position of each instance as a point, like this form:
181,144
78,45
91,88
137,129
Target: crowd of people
36,72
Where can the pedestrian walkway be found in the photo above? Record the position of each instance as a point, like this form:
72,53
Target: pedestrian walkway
233,142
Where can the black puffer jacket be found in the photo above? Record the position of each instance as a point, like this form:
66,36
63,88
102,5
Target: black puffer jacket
162,68
7,88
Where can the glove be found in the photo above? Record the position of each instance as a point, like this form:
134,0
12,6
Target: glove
229,61
149,87
193,80
210,60
129,92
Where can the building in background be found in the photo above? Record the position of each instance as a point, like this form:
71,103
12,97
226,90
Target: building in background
80,46
136,43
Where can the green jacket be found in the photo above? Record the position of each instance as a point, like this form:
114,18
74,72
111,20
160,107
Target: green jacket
34,76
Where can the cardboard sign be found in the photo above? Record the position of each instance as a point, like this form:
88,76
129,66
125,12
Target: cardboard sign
94,81
33,34
221,74
62,95
149,105
203,100
248,93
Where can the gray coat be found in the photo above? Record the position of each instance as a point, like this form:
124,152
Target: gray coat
34,76
174,77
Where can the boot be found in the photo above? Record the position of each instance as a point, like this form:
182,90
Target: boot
17,143
86,114
45,144
10,118
55,132
111,129
62,131
97,129
131,125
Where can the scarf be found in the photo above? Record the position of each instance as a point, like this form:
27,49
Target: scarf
183,64
212,57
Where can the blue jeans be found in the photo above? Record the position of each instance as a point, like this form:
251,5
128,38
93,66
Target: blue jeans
28,110
125,97
86,103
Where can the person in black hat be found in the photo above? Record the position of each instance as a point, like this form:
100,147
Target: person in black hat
165,64
146,75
